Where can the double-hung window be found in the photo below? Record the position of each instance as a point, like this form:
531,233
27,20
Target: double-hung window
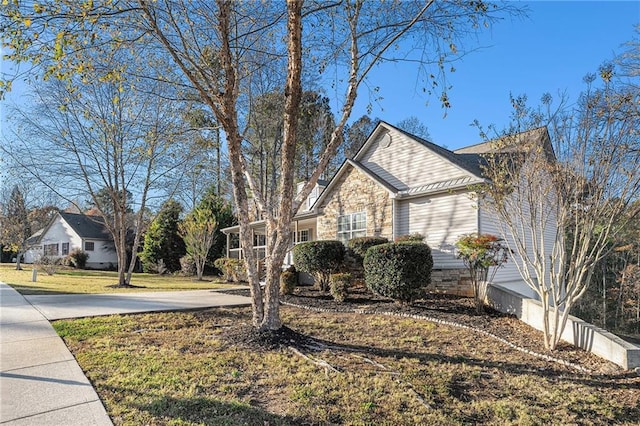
51,249
351,226
65,249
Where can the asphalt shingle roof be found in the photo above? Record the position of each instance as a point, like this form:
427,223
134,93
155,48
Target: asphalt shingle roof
87,226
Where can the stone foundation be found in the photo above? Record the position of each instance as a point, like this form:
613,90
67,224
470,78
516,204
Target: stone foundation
451,281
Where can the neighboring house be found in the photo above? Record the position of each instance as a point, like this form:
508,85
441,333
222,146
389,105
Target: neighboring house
399,184
71,231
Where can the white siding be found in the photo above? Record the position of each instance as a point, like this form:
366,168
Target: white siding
103,255
508,273
406,163
59,232
442,219
490,224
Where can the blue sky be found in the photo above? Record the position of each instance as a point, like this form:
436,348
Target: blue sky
551,50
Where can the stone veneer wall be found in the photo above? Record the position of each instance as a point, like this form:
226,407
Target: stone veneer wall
356,192
451,281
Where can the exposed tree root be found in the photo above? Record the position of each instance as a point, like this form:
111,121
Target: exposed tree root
319,362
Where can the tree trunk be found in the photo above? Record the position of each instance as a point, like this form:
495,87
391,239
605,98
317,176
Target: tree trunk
200,268
18,257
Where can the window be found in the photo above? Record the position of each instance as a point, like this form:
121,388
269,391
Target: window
352,226
259,240
65,249
51,249
303,236
234,241
89,246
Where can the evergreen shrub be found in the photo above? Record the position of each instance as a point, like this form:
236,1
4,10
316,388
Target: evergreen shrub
339,286
400,271
320,259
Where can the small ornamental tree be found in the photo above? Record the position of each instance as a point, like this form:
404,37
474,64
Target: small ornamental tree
320,259
400,271
198,231
482,254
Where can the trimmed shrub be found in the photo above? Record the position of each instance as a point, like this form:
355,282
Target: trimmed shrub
233,270
79,258
339,286
399,271
319,258
410,238
288,282
360,245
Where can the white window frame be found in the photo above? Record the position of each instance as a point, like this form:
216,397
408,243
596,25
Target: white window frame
304,235
351,225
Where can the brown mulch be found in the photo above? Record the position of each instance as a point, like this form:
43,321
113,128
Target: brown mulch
456,309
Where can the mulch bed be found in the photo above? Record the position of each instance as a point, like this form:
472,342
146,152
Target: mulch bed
456,309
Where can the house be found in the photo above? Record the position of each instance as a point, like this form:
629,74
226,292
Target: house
399,184
67,232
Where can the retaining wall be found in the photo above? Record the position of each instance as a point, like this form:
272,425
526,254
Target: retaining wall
577,332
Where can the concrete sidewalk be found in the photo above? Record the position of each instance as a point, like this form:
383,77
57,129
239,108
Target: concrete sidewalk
40,381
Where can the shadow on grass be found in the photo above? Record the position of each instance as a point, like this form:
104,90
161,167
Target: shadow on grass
39,291
209,411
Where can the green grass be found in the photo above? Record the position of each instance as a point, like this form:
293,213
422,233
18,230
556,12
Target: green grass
179,369
67,280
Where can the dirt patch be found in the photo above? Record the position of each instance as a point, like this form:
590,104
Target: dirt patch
249,337
447,308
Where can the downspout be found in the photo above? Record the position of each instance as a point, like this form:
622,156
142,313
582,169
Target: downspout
393,219
478,221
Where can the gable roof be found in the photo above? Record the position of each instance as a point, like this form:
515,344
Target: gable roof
87,226
360,167
471,158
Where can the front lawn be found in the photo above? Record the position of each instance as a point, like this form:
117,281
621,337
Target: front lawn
194,368
67,280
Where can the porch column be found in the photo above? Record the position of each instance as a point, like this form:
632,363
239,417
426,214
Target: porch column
228,245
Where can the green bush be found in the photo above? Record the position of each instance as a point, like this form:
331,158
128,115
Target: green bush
319,258
360,245
339,286
400,271
79,258
410,238
288,282
232,269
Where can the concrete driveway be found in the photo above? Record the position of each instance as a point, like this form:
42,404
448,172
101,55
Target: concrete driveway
63,306
40,381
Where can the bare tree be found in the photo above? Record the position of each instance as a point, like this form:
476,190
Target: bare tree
15,228
222,48
562,201
104,139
